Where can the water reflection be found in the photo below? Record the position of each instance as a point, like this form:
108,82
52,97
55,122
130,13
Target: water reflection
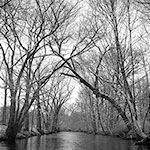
72,141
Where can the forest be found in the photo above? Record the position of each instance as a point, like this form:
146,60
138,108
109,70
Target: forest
49,48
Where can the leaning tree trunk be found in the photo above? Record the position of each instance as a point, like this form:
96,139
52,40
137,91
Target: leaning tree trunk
135,124
121,112
119,109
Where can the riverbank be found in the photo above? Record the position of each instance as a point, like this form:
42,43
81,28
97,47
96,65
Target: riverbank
72,140
124,134
22,134
34,132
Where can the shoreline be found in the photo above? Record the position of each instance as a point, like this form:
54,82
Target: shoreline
25,135
28,134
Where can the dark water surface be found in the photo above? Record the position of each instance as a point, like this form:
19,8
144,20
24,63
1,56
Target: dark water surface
72,141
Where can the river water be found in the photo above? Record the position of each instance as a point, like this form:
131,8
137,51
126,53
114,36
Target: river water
72,141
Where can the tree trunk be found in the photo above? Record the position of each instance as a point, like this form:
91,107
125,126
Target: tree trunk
55,122
136,123
119,109
93,114
94,122
39,127
26,120
103,96
32,120
11,132
5,107
28,88
11,124
100,124
26,124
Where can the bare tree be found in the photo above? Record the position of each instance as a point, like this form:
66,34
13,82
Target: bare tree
58,93
27,28
4,3
112,41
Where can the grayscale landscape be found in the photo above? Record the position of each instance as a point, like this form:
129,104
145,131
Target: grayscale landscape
74,74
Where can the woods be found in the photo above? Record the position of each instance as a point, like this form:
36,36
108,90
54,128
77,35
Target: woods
100,45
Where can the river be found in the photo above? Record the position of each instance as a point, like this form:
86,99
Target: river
72,141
